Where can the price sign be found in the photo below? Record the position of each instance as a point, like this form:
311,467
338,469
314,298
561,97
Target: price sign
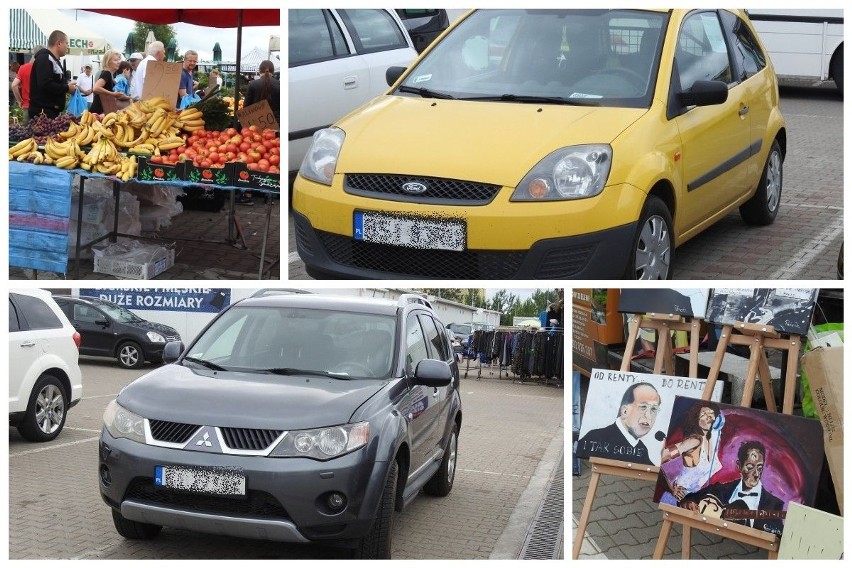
259,114
162,79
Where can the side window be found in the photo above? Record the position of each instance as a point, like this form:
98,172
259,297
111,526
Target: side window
14,325
748,55
87,314
314,36
436,337
415,344
373,30
37,313
702,54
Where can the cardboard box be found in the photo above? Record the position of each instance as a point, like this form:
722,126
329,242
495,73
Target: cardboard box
149,171
824,369
255,179
208,176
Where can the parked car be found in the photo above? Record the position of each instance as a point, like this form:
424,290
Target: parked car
44,374
109,330
337,62
297,418
548,144
423,25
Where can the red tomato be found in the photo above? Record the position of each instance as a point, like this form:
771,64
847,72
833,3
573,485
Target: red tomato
269,144
213,157
192,139
205,163
223,137
253,167
156,159
244,147
230,156
250,160
274,159
254,128
230,131
263,165
256,137
274,170
268,134
245,132
231,147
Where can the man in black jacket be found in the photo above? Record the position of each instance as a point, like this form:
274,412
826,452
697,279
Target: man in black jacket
47,80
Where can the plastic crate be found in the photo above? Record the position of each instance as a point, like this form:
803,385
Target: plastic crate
134,270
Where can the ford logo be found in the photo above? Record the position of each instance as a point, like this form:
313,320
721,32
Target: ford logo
414,187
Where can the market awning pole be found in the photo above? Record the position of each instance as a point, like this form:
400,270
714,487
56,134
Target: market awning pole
239,59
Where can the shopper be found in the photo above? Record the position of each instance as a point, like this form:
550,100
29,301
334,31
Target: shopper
265,87
21,85
106,82
48,85
156,52
123,78
187,82
134,59
85,83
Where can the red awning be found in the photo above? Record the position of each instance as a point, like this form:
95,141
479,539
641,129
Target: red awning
209,18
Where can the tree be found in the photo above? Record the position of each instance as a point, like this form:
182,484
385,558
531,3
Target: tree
162,33
468,296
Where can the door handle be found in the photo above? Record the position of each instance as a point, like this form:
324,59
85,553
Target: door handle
28,344
743,111
435,393
350,82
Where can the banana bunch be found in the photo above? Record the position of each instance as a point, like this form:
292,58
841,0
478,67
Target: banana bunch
85,133
67,163
110,119
35,157
87,118
190,120
124,136
56,150
149,106
23,147
128,168
102,152
160,122
170,143
144,148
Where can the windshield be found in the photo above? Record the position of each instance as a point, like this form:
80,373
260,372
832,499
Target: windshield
582,57
287,341
118,313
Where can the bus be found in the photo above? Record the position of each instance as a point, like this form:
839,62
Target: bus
803,44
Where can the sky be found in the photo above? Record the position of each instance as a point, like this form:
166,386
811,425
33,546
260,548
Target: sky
197,38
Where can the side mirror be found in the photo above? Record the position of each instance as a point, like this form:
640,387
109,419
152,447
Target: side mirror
705,93
393,74
172,351
433,373
103,323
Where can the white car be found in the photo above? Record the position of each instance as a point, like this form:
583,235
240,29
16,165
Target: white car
44,374
337,62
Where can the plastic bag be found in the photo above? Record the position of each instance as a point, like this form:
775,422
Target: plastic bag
188,99
77,103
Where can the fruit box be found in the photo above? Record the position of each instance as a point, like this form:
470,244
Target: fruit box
149,171
255,179
208,176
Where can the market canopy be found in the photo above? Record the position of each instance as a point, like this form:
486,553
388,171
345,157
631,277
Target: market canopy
28,28
213,18
251,60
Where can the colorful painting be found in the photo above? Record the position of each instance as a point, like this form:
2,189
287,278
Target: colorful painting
740,464
688,302
788,310
626,416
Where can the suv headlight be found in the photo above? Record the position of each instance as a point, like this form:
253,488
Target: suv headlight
155,337
323,443
321,160
121,423
573,172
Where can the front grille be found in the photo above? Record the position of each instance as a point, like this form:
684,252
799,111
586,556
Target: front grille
254,504
172,432
421,263
565,262
439,190
249,439
172,338
302,231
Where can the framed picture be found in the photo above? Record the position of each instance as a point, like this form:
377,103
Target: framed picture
689,302
626,416
788,310
740,464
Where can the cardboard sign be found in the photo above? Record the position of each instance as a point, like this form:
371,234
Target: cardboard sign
259,114
162,79
810,534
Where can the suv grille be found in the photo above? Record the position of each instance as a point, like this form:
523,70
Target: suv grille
172,432
255,504
423,263
439,190
249,439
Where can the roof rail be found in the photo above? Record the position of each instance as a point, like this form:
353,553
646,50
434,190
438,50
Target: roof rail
278,292
412,299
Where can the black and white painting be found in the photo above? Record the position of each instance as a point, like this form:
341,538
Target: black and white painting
788,310
687,302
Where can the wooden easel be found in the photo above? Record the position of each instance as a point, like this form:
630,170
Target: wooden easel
758,338
664,357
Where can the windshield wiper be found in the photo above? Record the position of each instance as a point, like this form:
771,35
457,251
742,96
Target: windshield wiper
425,93
512,98
204,363
311,372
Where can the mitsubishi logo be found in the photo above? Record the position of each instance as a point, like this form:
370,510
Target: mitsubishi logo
205,441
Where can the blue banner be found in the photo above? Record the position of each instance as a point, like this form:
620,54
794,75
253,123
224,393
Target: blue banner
194,300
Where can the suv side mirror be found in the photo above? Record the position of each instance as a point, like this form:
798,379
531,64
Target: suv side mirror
172,351
705,93
394,73
103,323
433,373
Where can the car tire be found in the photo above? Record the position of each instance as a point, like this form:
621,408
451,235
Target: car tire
652,252
46,410
376,544
133,530
763,207
837,68
442,482
130,355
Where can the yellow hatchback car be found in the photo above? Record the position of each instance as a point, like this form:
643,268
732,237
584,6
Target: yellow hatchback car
548,144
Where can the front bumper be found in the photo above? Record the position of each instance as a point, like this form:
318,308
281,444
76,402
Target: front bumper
284,496
603,254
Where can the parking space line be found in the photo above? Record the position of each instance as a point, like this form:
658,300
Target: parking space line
811,250
492,473
84,430
44,449
100,396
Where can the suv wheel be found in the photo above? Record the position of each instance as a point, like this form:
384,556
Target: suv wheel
652,255
45,414
377,542
762,208
442,482
130,355
134,530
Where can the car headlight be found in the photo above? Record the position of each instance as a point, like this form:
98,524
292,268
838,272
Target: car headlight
121,423
574,172
321,160
323,443
155,337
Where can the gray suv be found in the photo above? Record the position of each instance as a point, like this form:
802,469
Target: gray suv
296,418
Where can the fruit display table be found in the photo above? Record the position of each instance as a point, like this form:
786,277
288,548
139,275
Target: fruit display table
40,212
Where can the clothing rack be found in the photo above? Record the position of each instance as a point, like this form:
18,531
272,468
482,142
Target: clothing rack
521,351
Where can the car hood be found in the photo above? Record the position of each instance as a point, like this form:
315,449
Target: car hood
158,327
246,400
490,142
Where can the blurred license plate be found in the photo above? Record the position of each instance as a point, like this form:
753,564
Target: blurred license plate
413,232
200,480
